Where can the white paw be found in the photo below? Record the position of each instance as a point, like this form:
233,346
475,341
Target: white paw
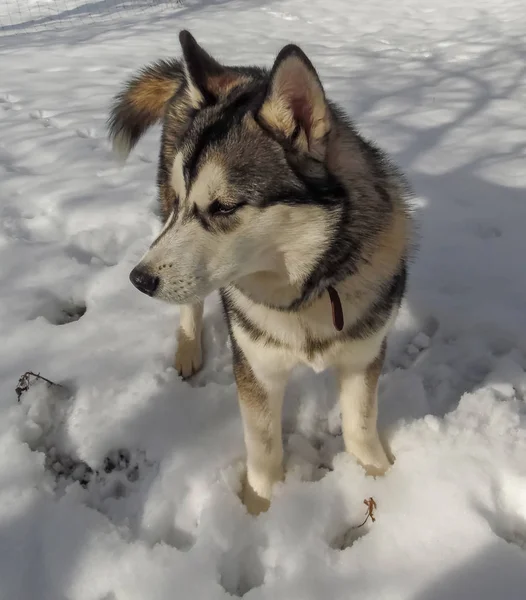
257,489
371,455
188,356
254,503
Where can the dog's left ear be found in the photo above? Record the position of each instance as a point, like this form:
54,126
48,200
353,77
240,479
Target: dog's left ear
295,106
207,79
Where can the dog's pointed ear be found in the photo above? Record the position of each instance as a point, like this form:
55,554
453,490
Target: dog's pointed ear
295,106
207,79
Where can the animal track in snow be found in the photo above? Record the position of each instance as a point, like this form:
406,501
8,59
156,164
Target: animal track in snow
116,477
310,460
9,164
44,430
413,350
58,311
102,246
113,486
70,313
485,230
43,116
348,537
240,571
86,133
351,534
9,102
404,353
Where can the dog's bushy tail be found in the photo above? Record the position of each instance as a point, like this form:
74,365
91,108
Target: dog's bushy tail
142,103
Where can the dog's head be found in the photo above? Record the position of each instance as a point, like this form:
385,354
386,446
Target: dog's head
254,195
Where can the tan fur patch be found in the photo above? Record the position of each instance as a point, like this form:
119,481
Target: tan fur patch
189,355
219,85
177,179
372,375
151,93
223,84
251,392
277,115
211,184
384,254
194,94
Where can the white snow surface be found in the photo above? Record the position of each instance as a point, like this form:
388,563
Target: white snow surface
440,85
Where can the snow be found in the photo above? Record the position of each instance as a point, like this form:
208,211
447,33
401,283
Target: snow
440,85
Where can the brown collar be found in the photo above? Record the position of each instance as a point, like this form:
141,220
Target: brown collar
337,311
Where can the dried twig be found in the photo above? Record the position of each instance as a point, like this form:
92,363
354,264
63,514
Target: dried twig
371,507
24,383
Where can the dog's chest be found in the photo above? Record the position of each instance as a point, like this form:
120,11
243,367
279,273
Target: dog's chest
309,337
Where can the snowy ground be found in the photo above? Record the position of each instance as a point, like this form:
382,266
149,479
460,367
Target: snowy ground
438,83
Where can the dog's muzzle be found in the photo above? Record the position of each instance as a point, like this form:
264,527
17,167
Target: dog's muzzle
145,282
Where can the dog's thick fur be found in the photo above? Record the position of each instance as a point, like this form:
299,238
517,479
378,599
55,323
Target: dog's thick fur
269,195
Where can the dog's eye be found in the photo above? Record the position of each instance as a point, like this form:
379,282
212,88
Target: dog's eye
216,208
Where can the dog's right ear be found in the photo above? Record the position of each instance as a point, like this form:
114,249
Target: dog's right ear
207,79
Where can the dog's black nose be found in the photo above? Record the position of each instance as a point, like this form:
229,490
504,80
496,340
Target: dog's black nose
144,281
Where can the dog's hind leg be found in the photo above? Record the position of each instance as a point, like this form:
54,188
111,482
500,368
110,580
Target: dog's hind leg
359,407
260,404
189,353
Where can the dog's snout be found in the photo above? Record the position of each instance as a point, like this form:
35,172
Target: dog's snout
144,281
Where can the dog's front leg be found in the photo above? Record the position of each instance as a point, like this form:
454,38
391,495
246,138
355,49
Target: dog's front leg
260,401
359,407
189,354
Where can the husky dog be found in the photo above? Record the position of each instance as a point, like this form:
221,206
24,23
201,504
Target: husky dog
269,195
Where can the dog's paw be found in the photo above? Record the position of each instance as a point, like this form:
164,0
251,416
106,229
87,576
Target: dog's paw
374,471
188,356
372,456
254,503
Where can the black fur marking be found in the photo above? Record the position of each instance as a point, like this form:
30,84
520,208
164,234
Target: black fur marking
216,132
237,353
382,307
315,185
203,221
200,65
162,234
232,313
215,223
237,315
295,134
178,119
372,320
218,209
340,260
380,167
